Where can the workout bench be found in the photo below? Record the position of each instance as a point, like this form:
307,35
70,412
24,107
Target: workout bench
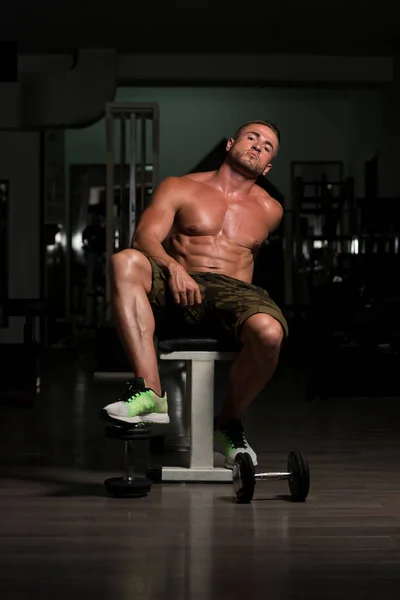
200,356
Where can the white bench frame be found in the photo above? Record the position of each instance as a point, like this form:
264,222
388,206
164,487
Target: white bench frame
200,369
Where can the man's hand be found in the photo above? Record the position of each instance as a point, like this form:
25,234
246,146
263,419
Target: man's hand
185,290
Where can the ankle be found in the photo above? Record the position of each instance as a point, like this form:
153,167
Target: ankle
156,387
222,420
151,384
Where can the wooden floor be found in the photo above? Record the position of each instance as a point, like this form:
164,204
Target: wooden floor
62,537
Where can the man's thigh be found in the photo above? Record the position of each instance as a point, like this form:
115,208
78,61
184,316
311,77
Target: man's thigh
230,302
171,319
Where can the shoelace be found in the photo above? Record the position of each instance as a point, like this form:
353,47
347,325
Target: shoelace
133,390
234,431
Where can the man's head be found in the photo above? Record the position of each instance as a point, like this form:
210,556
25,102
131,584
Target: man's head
253,147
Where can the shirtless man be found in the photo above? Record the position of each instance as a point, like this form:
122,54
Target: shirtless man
191,263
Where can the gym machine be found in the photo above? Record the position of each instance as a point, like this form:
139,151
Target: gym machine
20,379
132,173
342,250
132,143
3,252
324,223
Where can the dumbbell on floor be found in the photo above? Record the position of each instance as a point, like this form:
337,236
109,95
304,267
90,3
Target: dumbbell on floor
245,478
128,486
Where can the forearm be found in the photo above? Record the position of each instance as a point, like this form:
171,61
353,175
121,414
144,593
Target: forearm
154,249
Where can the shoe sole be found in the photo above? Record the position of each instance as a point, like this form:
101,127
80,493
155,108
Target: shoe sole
156,418
105,416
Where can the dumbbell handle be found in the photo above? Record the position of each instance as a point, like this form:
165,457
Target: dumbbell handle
129,459
275,476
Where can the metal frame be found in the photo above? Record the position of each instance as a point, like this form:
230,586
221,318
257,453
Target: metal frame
134,111
4,251
291,234
200,368
296,241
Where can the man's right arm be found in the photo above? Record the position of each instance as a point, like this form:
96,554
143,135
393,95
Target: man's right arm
154,226
157,220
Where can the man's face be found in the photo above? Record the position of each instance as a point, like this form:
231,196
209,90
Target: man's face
253,150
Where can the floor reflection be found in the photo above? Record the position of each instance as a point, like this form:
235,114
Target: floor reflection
61,534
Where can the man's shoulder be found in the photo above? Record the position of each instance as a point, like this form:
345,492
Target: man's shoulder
270,203
185,180
201,177
171,181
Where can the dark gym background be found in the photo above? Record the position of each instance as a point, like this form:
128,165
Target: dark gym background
328,74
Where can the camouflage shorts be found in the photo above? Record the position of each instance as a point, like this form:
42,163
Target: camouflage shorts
226,304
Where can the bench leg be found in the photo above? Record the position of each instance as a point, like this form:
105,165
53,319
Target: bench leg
200,422
200,400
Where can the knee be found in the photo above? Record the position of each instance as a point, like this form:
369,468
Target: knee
127,265
264,329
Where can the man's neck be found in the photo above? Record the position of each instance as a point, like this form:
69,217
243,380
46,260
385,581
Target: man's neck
231,181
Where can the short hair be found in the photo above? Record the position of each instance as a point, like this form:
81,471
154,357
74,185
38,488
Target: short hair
269,124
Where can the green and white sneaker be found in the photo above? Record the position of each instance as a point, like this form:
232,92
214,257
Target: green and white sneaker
138,404
230,440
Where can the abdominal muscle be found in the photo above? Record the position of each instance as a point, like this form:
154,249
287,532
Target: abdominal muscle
214,254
